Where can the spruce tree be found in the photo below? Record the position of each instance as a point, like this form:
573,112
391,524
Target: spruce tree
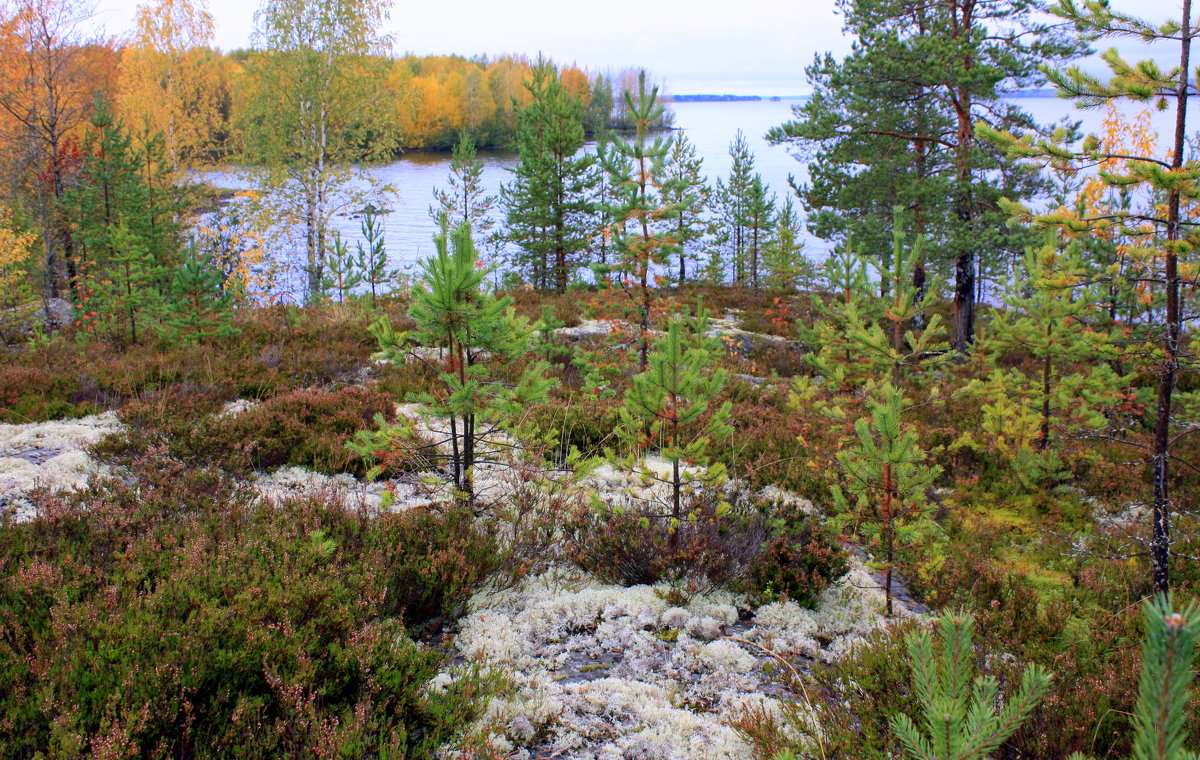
124,212
342,271
733,201
784,263
198,309
372,259
548,202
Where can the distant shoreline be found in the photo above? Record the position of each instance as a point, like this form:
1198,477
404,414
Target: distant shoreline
711,98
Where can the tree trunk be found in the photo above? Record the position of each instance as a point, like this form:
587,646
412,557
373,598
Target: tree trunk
1160,543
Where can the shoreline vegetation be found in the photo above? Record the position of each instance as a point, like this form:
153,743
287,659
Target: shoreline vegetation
619,470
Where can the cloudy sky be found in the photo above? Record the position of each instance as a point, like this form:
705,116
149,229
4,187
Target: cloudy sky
702,46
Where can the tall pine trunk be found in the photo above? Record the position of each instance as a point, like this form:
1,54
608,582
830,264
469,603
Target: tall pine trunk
1160,544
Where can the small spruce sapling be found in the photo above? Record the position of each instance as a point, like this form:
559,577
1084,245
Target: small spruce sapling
372,258
963,718
465,200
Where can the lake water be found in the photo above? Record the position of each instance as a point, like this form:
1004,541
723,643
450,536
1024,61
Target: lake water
710,126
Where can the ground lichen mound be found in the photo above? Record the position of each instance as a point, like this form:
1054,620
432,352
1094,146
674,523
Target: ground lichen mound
48,455
601,672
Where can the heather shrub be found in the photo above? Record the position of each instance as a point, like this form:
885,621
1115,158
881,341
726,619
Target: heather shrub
33,393
310,428
307,428
435,558
706,550
797,561
179,617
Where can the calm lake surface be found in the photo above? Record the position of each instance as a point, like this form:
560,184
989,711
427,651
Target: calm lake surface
710,126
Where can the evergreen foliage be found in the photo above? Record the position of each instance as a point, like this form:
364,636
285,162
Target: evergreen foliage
126,238
963,718
1161,717
372,259
470,329
641,214
893,122
685,189
665,409
343,272
548,203
884,496
734,199
1168,242
465,199
785,265
198,309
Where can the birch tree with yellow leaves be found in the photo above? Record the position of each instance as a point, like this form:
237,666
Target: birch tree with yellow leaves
316,81
169,82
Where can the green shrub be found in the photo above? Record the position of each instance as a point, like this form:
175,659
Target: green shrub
797,561
307,428
709,549
179,617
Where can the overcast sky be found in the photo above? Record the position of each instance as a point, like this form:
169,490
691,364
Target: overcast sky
702,46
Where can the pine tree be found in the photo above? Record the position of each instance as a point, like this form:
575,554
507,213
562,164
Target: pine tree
1161,716
784,263
642,216
849,300
473,329
893,123
342,271
1168,238
465,200
198,308
125,234
962,718
886,479
548,204
685,189
372,259
664,406
1050,318
733,200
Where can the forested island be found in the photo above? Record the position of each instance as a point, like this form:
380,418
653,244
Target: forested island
639,462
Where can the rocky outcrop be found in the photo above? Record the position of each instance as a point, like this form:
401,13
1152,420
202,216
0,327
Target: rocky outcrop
19,323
